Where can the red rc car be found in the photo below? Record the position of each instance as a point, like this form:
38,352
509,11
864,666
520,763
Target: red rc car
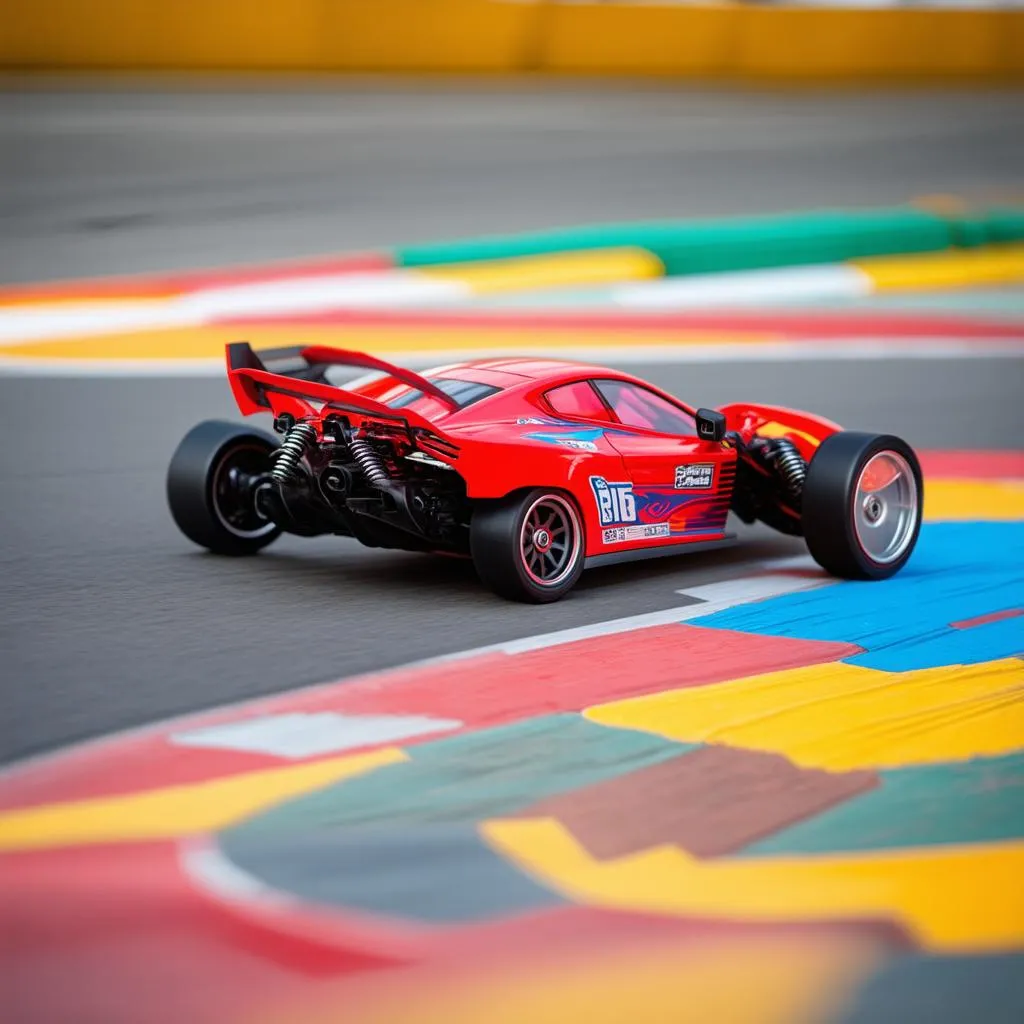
535,468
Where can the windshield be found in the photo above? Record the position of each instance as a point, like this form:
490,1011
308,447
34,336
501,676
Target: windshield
635,406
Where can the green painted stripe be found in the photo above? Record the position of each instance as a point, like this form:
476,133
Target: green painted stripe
749,243
474,775
978,801
987,227
1005,225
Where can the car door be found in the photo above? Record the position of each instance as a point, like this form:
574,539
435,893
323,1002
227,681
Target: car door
679,486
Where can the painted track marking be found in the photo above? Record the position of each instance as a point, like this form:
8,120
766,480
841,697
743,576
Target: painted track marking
717,598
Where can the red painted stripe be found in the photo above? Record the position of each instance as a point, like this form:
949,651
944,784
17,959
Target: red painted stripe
971,465
816,324
483,691
491,942
495,689
150,285
98,769
114,934
984,620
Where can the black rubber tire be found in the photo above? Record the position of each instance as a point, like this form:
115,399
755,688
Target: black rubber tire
829,495
190,485
495,539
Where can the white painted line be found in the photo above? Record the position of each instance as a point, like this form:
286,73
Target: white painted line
378,289
747,287
16,366
56,321
708,598
211,871
214,875
62,320
300,735
712,597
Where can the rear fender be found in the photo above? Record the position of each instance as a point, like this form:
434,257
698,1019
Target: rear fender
496,470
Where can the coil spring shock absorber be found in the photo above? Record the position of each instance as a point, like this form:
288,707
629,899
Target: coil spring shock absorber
790,465
295,444
369,461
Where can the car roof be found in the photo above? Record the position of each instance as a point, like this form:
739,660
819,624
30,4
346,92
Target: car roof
504,373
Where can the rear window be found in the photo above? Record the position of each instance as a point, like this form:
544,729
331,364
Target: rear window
578,399
465,392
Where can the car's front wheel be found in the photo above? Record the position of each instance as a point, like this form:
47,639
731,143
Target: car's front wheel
529,546
862,505
210,487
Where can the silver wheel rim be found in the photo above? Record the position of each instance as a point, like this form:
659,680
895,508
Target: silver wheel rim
246,523
885,510
549,541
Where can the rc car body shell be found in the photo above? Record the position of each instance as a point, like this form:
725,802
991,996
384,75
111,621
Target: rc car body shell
638,489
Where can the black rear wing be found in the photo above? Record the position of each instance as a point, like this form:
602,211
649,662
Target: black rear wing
310,363
304,377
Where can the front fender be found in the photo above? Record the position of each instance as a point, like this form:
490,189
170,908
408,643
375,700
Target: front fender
804,429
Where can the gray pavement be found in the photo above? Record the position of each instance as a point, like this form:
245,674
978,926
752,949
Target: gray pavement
111,179
109,618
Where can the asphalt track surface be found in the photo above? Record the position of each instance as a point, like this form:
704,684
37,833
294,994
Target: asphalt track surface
120,179
109,618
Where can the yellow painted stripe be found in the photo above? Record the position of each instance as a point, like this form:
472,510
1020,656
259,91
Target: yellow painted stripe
177,810
968,500
954,898
990,265
786,979
209,342
842,717
557,270
11,299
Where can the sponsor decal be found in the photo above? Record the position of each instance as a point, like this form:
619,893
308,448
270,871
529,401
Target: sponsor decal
619,534
615,501
696,476
529,419
581,446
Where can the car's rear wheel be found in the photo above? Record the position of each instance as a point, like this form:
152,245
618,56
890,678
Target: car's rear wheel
862,505
530,546
210,487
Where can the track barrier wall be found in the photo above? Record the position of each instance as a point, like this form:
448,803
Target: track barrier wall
511,36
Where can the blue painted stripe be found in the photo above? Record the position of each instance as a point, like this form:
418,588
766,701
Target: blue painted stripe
958,571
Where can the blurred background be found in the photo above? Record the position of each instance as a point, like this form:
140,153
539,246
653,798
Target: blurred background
819,205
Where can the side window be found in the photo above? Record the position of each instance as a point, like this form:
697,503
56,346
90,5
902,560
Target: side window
578,400
637,407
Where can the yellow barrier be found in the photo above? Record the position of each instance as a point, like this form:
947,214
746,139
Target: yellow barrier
267,35
740,41
713,40
895,43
